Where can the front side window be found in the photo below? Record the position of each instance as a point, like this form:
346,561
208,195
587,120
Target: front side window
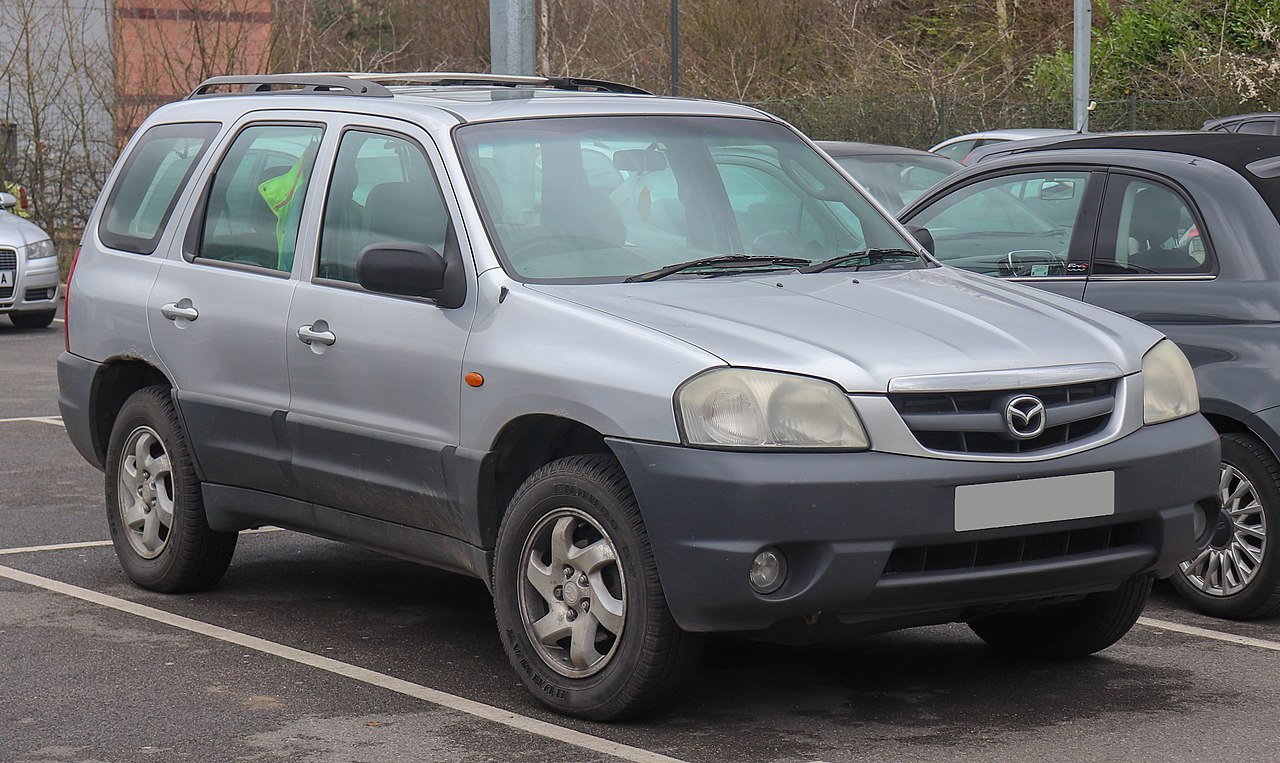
254,207
606,198
143,198
382,191
1011,226
1148,229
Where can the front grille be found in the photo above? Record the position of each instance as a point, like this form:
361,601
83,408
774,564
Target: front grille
8,261
1023,548
974,422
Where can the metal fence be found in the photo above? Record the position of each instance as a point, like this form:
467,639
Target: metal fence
921,121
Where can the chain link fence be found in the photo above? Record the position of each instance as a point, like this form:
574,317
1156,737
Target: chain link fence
920,121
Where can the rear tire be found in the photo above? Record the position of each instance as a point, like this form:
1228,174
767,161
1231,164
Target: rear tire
154,508
579,606
1067,631
32,320
1238,575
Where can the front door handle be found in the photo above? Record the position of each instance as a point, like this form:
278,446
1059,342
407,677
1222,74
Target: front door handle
309,334
181,309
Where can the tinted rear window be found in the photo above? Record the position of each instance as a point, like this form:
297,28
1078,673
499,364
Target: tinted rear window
145,193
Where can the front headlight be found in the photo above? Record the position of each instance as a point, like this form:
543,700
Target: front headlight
745,408
1168,384
40,250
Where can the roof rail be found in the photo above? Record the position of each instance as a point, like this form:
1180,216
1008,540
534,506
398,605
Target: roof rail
291,84
444,79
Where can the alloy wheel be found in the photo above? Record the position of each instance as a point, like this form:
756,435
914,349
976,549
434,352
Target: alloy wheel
1234,555
573,595
145,496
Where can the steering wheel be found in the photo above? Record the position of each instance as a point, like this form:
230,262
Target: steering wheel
1022,263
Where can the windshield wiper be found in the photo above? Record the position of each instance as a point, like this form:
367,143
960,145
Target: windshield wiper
872,257
718,261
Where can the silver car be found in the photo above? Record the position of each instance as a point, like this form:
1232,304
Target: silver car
648,367
28,269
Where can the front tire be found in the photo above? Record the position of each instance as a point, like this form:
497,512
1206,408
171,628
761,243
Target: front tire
1238,575
154,508
579,606
32,320
1067,631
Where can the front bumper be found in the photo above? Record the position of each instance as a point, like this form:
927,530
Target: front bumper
839,517
35,287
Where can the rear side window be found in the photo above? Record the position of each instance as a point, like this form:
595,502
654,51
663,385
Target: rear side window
1148,229
144,195
254,207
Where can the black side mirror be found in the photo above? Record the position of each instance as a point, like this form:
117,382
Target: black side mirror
923,237
410,270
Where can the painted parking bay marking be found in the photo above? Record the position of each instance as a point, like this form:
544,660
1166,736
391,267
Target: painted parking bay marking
364,675
52,420
100,543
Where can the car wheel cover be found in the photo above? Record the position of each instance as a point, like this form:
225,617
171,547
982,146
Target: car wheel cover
1225,569
572,593
144,493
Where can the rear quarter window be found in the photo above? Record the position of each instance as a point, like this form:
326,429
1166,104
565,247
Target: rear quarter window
142,199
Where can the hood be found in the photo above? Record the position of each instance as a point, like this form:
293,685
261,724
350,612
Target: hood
863,330
15,231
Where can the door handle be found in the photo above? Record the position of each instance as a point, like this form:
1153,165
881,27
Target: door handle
175,310
308,334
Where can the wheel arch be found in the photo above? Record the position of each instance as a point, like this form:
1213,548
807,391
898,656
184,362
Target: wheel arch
116,380
521,447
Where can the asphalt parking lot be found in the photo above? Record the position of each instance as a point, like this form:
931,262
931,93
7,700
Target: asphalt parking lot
310,650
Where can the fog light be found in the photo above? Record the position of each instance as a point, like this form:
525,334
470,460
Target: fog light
768,571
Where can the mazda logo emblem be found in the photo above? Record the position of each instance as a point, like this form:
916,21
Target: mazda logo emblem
1024,417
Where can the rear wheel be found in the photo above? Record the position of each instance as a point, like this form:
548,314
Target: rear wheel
154,508
1238,575
1067,631
579,605
32,320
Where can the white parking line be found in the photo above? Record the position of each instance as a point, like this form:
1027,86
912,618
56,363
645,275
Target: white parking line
100,543
1191,630
53,420
364,675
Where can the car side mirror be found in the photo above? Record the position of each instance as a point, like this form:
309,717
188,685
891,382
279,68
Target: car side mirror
409,270
8,201
923,237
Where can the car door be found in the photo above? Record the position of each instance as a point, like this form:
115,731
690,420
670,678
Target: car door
1033,226
375,379
217,312
1155,262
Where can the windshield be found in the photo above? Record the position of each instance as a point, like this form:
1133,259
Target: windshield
896,180
593,199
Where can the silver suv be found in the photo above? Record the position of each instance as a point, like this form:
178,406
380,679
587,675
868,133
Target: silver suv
28,269
649,367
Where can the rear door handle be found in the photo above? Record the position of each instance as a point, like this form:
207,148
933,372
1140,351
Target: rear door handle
182,309
309,334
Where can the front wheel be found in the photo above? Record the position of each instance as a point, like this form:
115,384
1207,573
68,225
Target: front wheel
32,320
579,606
1067,631
1238,575
154,508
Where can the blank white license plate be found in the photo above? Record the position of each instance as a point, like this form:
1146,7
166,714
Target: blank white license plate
1029,502
6,278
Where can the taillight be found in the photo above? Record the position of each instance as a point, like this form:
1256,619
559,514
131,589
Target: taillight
22,197
66,304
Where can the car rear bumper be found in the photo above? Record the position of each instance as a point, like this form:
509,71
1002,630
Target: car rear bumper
76,377
871,537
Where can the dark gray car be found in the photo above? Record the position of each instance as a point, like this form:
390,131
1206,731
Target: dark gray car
1178,231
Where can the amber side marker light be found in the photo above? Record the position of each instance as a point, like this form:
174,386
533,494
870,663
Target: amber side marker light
473,379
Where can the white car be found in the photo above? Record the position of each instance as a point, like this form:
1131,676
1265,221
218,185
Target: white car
28,269
959,147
